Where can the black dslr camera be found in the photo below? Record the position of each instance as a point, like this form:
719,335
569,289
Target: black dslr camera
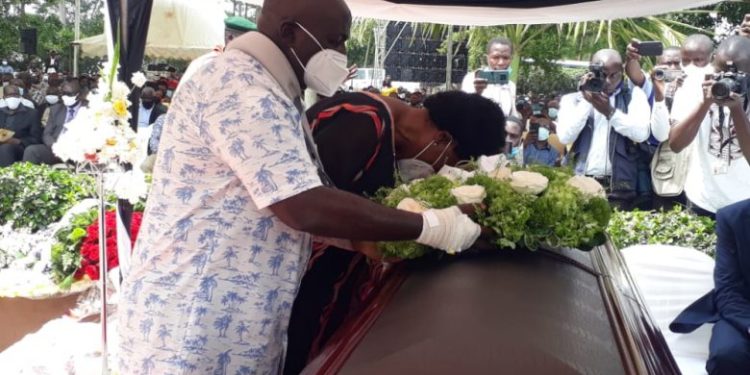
596,83
729,82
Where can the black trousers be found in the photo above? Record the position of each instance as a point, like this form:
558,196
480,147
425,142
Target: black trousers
10,154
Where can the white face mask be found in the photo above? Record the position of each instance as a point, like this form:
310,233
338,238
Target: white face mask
13,103
20,91
543,134
326,70
69,101
552,112
52,99
413,169
5,62
695,71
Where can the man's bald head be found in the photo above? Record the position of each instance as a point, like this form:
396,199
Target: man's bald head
611,62
607,56
735,49
329,21
697,50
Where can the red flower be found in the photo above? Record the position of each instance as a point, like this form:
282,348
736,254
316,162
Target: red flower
90,244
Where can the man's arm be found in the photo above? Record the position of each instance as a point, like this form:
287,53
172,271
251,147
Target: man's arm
51,128
696,105
572,117
730,284
329,212
633,64
636,123
742,127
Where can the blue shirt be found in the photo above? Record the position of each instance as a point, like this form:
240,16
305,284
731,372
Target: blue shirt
546,156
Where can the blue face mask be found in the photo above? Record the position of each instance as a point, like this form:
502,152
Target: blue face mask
543,134
552,112
514,152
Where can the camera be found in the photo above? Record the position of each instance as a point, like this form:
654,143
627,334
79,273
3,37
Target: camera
729,82
667,75
521,103
596,82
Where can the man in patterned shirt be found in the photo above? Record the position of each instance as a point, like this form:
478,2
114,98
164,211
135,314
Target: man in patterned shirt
237,191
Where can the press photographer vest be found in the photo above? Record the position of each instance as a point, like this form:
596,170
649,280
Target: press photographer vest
623,153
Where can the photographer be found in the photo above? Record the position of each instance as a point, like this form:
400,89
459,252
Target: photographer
669,63
602,121
717,128
538,149
499,57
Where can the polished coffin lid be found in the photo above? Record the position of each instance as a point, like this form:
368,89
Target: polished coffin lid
514,312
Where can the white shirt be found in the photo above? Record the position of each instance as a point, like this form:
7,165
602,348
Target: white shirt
504,95
144,116
575,111
717,176
214,271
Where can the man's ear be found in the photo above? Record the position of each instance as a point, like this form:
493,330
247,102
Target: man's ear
442,137
287,31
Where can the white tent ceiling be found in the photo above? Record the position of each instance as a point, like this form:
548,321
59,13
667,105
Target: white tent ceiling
181,29
490,15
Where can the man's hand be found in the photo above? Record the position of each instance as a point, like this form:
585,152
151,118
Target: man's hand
599,101
584,79
735,102
745,27
449,230
632,51
12,141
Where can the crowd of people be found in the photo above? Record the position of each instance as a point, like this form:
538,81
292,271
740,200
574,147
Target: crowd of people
241,166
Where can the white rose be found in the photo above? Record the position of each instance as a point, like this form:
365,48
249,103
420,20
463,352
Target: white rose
138,79
455,174
524,182
469,194
588,186
502,174
411,205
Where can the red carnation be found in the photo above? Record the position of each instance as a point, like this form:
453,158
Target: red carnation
90,245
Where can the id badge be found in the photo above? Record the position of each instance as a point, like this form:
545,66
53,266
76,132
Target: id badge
721,168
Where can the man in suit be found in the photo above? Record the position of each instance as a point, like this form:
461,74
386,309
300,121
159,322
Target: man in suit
728,305
149,110
21,120
59,114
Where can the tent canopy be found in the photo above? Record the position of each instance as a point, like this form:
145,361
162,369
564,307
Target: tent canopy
502,12
179,29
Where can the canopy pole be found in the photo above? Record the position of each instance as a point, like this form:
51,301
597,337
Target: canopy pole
449,60
77,36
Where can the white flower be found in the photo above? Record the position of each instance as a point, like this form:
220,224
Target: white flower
455,174
132,186
501,174
411,205
525,182
588,186
138,79
469,194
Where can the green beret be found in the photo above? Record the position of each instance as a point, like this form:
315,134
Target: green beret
240,24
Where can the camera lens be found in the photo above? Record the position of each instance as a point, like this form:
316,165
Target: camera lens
721,90
659,74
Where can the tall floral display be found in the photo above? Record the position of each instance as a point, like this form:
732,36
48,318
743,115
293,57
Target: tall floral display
100,140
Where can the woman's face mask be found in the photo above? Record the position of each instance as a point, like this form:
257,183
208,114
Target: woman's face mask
413,168
326,70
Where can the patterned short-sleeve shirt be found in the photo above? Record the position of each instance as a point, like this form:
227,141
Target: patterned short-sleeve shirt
214,272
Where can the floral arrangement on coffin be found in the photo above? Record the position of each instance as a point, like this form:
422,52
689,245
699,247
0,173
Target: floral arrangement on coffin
540,206
100,134
75,256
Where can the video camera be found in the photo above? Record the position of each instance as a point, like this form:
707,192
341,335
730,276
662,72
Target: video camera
596,82
667,75
730,82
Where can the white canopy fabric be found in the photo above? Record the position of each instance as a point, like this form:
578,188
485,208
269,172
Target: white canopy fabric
490,15
179,29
